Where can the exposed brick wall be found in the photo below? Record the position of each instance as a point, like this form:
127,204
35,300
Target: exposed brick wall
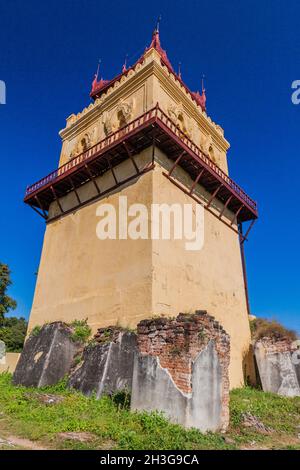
178,341
110,333
275,345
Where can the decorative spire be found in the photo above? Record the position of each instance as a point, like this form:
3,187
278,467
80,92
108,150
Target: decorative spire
97,86
179,70
201,99
95,81
155,44
124,68
157,24
203,93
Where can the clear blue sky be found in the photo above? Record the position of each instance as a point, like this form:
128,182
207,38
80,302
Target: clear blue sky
249,52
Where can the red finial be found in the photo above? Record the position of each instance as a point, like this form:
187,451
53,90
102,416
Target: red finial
155,44
158,23
179,70
97,86
95,81
203,93
200,99
124,68
155,35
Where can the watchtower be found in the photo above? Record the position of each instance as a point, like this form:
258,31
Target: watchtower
146,138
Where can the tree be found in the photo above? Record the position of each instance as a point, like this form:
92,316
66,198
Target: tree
13,333
6,302
12,329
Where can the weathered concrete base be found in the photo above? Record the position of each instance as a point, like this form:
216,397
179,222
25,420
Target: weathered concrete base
181,369
277,372
47,356
296,362
107,366
154,389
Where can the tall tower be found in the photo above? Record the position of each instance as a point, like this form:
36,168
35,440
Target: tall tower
146,137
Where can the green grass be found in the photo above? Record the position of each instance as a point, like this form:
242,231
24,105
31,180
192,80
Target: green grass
114,426
279,413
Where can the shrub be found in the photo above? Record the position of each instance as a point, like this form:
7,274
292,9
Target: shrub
81,331
13,332
35,330
261,327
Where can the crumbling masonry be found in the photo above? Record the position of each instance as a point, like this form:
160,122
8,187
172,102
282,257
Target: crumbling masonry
182,369
278,366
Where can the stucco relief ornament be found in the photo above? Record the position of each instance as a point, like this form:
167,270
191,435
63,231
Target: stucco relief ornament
172,112
178,116
119,117
126,109
93,136
206,143
207,147
107,123
84,142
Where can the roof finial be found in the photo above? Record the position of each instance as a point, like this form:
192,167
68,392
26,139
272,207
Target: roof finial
98,68
203,93
157,24
95,81
203,89
124,68
179,70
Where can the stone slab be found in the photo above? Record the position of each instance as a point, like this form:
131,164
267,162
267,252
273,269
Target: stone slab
107,367
47,356
276,370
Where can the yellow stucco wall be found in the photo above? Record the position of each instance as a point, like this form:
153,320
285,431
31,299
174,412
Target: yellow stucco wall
80,276
8,362
209,279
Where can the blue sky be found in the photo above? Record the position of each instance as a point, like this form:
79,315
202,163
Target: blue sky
249,53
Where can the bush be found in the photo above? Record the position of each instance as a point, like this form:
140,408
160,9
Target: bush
260,328
35,330
13,333
81,331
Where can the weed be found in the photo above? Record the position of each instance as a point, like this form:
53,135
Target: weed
35,330
81,331
175,351
260,327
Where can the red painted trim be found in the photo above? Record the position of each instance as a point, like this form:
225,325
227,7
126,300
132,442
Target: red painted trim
152,118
